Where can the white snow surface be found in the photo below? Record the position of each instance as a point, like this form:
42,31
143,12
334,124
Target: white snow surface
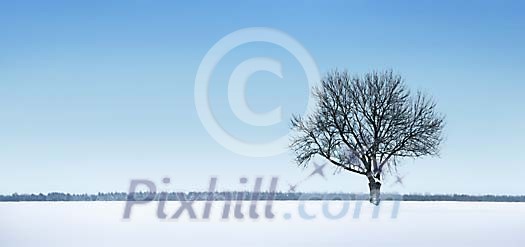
93,224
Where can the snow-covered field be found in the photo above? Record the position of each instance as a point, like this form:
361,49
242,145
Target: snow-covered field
92,224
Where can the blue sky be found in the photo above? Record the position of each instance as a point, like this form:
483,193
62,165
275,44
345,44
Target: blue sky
96,93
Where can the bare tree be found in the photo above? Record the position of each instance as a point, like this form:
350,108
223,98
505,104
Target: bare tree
366,124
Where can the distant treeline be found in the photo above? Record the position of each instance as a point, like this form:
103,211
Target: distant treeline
227,196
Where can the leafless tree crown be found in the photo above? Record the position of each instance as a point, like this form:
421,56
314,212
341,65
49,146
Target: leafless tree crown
363,124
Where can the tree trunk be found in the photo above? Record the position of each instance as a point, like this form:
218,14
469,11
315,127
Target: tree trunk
375,192
375,187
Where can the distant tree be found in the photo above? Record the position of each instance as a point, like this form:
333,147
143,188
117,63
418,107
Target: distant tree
366,124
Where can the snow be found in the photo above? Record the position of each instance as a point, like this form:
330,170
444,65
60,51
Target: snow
417,224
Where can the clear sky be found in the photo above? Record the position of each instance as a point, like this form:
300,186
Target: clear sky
95,93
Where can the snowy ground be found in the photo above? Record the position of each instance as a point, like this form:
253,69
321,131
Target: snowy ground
417,224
